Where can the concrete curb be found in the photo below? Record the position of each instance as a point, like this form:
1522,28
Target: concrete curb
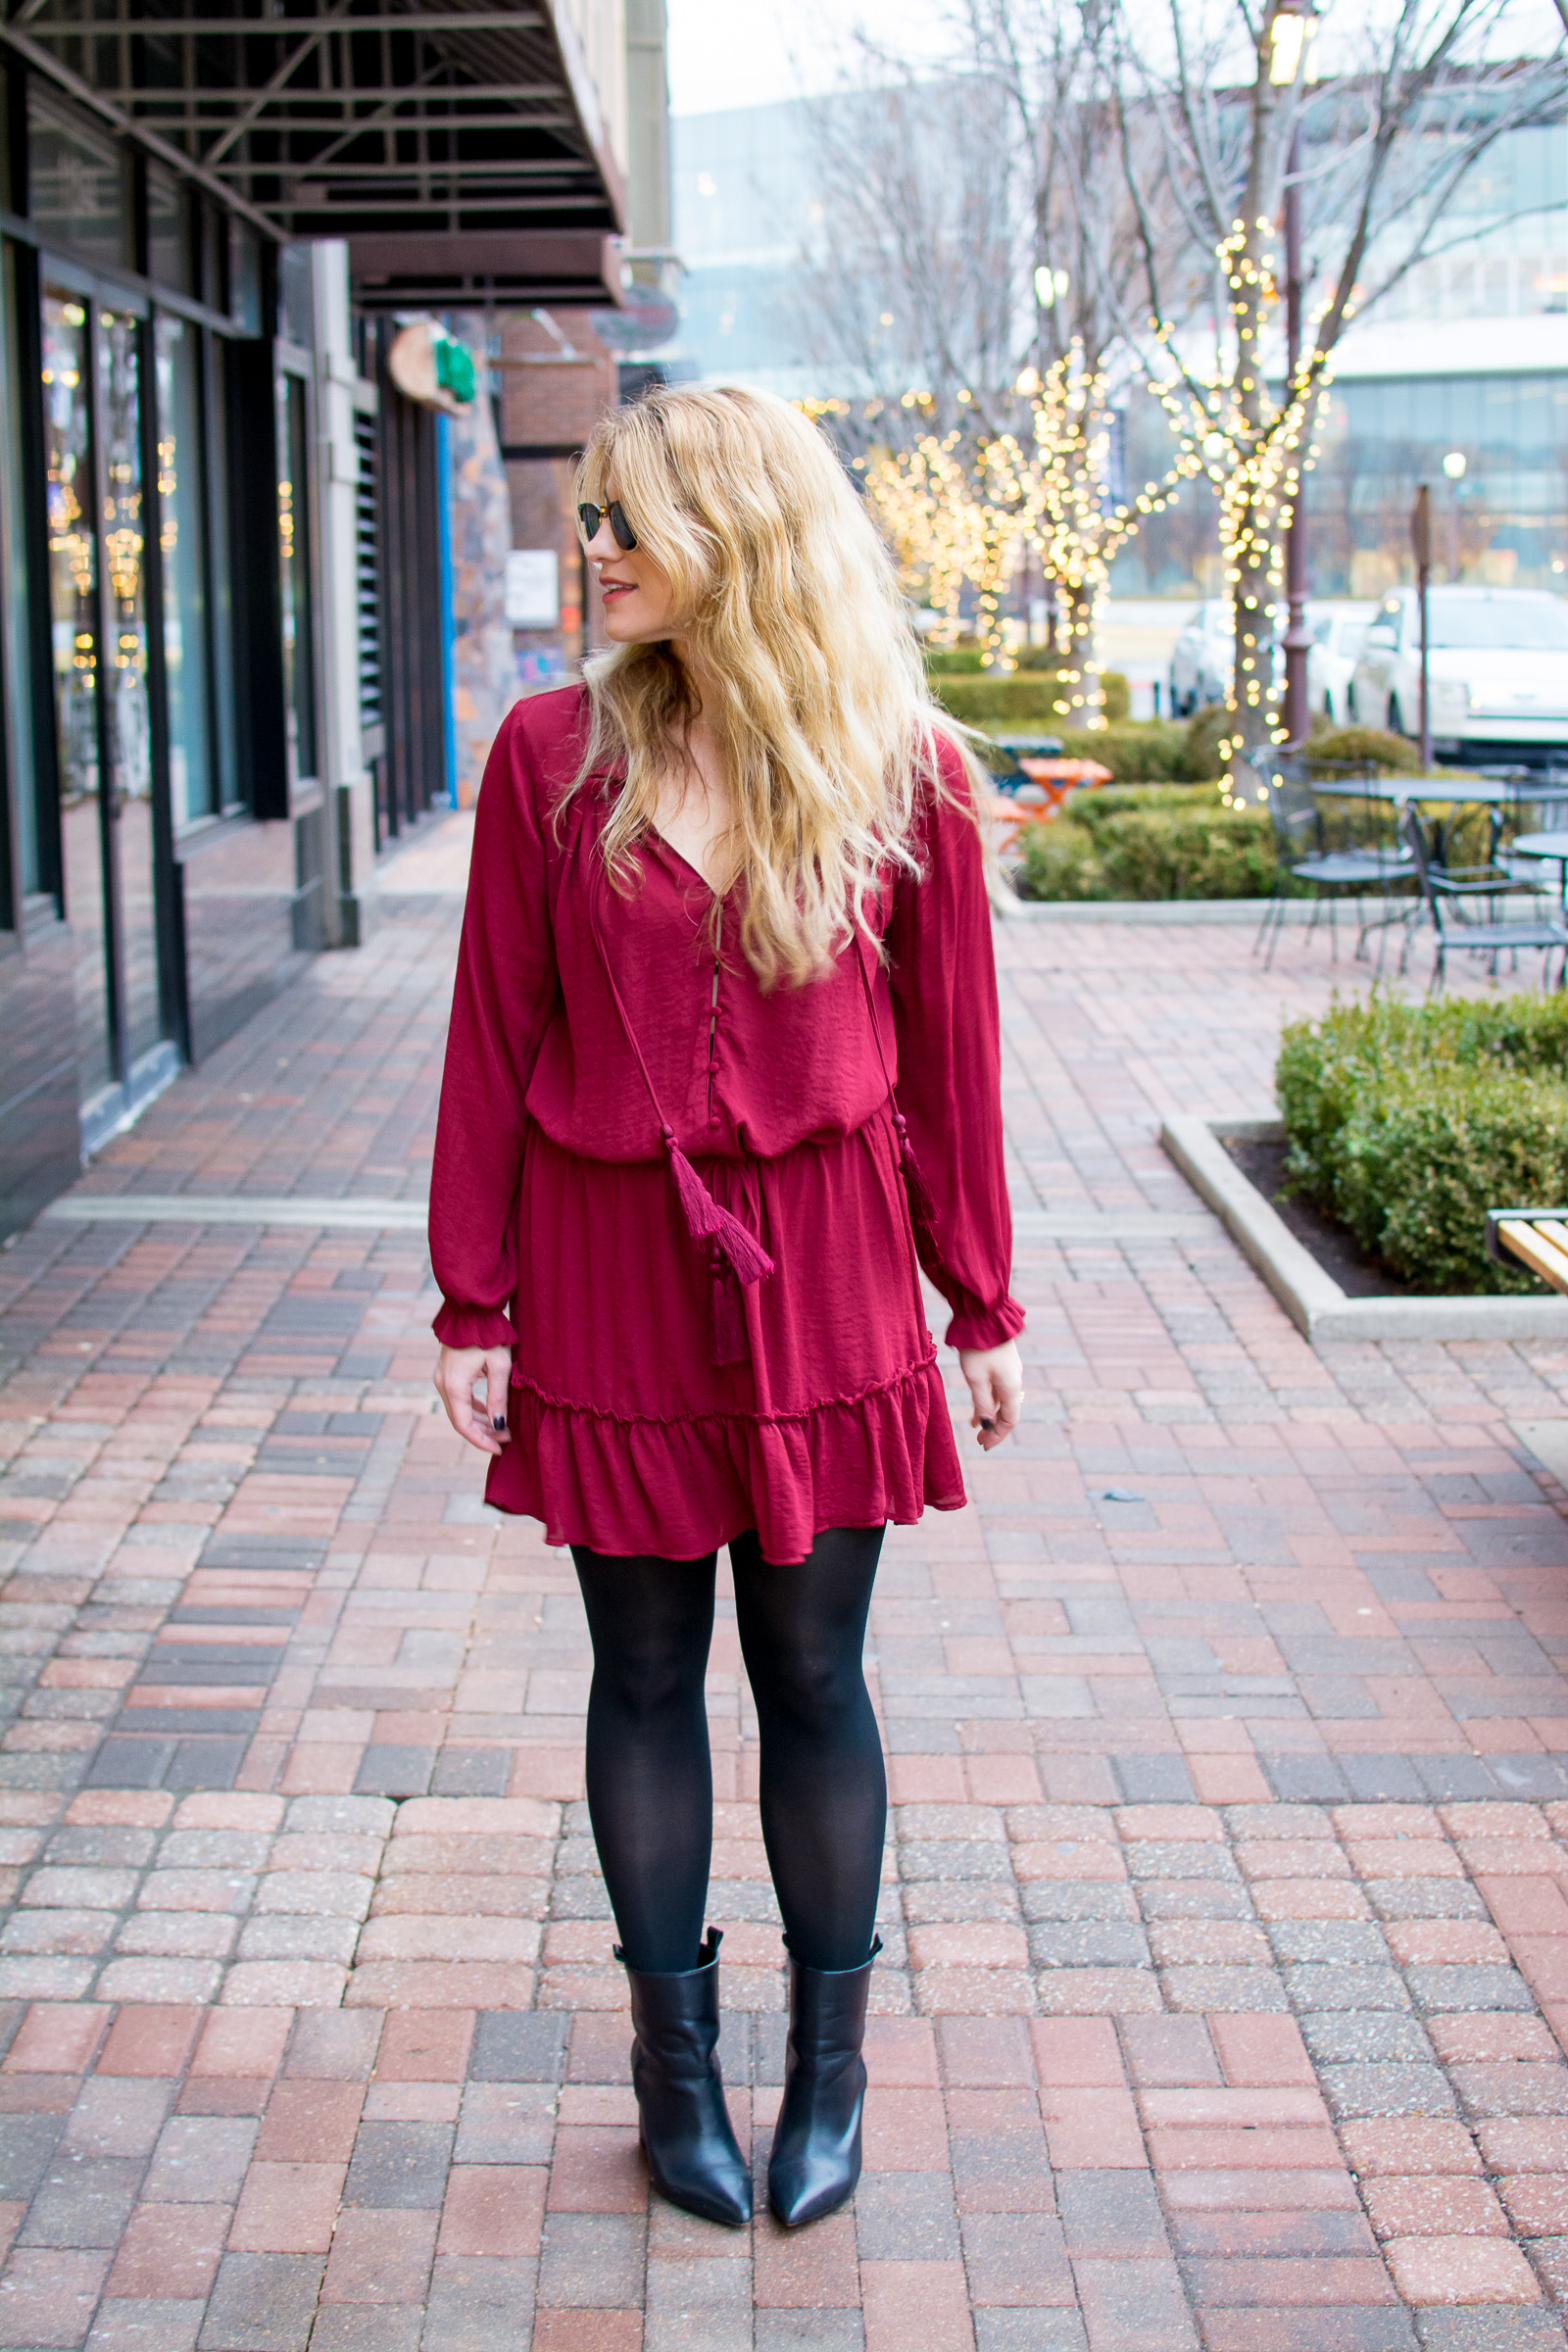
1313,1300
1011,907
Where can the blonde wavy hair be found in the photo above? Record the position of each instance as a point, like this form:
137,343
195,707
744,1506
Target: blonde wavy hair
811,669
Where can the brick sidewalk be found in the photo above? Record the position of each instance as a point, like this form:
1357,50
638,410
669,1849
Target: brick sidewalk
1227,1942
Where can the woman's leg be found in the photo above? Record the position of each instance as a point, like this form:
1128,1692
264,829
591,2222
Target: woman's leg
650,1776
824,1791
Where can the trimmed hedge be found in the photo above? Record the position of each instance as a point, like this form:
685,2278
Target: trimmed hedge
1140,751
1362,747
1409,1122
1021,698
1170,842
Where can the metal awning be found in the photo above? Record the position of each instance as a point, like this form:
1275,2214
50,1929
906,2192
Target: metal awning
455,133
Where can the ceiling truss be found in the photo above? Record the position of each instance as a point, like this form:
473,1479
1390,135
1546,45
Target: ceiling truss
319,120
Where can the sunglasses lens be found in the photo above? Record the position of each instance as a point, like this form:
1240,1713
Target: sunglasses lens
588,521
625,536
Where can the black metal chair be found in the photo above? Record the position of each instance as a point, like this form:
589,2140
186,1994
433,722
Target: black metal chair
1305,857
1446,895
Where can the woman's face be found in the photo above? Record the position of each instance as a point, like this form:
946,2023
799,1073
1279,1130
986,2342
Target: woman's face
639,600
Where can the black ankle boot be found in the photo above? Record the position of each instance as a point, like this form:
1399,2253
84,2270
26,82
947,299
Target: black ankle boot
817,2147
692,2151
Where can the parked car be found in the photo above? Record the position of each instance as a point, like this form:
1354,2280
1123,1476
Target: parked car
1203,658
1497,668
1337,632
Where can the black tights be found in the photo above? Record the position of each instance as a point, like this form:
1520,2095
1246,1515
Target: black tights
824,1798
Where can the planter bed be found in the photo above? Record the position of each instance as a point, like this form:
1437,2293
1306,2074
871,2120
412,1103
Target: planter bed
1318,1301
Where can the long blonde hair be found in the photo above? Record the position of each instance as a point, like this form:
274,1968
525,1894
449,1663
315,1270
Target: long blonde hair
788,602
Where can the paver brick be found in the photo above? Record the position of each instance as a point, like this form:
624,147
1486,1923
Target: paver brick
1098,1923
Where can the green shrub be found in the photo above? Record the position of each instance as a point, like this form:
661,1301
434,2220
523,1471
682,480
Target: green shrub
1115,697
1168,841
1201,762
954,661
1409,1122
1015,699
1140,751
1362,747
1011,702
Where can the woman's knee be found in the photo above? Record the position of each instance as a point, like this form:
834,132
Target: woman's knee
645,1681
810,1689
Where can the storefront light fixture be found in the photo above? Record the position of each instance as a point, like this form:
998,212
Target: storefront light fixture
1453,465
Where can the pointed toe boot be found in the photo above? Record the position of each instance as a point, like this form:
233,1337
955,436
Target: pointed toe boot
693,2155
816,2148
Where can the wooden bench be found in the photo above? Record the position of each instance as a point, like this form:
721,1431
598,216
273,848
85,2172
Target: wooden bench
1537,1237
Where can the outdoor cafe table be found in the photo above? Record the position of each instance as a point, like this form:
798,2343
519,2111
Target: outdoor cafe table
1453,791
1545,845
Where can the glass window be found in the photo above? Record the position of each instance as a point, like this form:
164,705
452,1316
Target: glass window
221,574
16,681
182,537
72,601
168,243
125,671
75,187
295,296
293,522
245,277
1520,623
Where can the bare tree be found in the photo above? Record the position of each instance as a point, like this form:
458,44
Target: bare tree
908,296
1209,120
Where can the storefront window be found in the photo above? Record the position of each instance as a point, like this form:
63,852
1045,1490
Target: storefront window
169,242
72,601
16,682
193,775
77,192
125,674
293,521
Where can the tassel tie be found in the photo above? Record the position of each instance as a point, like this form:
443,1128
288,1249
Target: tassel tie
735,1258
923,1207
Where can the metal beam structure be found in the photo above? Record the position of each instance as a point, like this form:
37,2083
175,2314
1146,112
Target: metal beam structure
357,118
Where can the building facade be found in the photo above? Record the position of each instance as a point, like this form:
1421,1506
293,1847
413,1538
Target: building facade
225,644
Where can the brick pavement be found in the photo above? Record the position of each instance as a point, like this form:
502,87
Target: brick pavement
1226,1905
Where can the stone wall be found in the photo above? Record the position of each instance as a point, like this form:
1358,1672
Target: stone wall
485,680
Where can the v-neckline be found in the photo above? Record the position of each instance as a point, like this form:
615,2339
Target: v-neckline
681,858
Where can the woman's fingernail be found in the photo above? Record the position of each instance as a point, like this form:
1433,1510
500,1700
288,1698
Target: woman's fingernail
498,1420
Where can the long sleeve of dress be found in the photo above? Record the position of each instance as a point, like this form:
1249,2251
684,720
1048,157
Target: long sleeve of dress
941,973
505,992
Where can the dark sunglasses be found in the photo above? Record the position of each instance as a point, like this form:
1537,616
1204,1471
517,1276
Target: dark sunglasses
590,516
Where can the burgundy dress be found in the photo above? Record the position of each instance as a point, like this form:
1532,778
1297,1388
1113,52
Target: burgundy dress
613,1091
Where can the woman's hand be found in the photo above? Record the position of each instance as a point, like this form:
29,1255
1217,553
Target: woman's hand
996,1384
457,1375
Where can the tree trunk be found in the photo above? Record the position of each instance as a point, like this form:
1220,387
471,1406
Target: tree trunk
1081,646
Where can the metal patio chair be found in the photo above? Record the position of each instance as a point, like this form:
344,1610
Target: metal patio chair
1305,857
1447,895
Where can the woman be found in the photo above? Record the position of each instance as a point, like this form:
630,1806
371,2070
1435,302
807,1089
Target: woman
724,899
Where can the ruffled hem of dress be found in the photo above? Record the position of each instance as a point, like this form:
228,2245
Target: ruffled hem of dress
682,1488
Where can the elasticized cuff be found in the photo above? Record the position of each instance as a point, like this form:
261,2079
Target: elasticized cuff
474,1327
977,1326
